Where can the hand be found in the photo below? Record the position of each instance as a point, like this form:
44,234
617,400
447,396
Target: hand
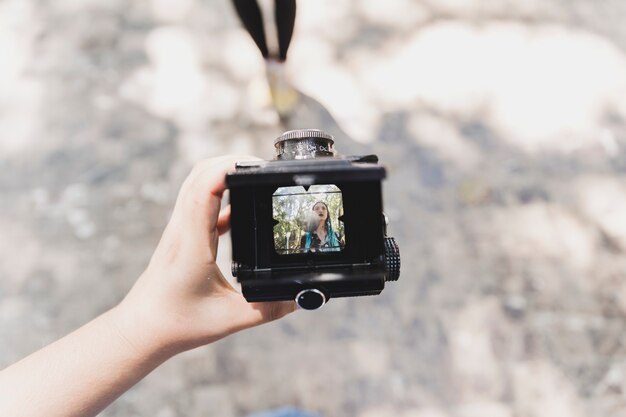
182,300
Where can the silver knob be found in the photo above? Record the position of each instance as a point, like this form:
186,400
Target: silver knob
304,144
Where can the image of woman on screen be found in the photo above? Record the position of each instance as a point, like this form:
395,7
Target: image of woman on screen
319,235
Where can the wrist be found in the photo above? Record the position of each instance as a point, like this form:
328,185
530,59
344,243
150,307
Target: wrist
140,330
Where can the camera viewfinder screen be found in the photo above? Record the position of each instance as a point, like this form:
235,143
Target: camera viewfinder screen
308,220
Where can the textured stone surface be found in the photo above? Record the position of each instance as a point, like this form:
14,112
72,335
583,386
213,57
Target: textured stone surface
503,128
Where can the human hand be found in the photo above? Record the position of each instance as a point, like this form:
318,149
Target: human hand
182,300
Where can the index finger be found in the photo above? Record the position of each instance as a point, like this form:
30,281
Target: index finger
201,194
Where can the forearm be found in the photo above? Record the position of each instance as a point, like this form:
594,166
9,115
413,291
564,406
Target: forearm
80,374
182,301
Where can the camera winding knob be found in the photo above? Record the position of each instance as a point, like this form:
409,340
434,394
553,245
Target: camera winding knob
392,259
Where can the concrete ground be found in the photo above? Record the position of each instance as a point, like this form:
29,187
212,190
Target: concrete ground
502,124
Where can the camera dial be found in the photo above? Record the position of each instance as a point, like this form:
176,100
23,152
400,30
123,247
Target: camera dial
392,259
304,144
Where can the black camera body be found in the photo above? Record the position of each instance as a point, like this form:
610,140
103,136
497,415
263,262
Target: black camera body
309,226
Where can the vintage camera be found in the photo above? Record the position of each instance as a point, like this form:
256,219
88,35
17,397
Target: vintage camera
309,225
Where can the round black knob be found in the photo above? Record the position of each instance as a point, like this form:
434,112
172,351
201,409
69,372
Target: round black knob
310,299
392,259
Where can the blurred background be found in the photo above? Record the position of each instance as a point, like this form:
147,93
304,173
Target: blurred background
503,127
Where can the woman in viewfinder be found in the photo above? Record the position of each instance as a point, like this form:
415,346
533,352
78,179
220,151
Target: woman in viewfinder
319,235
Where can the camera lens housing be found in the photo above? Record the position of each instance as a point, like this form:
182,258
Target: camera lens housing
310,299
